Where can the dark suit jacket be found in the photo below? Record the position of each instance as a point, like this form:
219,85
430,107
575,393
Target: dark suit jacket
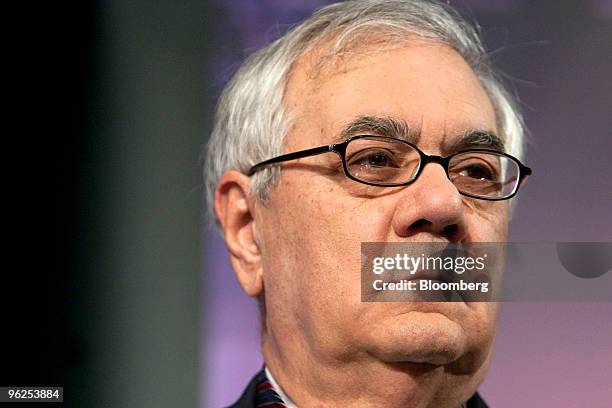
247,399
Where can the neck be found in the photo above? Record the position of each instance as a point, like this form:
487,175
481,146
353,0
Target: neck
312,378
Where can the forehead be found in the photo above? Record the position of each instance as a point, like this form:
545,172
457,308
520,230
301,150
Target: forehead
426,84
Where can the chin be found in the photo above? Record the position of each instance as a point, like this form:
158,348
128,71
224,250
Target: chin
419,337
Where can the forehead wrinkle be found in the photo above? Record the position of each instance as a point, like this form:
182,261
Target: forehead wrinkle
380,126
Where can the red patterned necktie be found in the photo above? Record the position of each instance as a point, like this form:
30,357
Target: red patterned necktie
265,396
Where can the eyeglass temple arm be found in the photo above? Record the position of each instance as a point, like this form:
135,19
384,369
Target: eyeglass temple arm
525,173
290,156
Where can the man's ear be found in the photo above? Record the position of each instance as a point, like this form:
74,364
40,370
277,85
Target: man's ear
234,209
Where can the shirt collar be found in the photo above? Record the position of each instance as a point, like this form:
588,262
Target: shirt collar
281,394
279,390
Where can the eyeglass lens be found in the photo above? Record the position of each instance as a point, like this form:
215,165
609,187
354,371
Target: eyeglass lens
389,162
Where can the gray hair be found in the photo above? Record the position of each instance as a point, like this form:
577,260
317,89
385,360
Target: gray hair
251,123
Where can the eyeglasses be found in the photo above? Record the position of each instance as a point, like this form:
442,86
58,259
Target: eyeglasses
389,162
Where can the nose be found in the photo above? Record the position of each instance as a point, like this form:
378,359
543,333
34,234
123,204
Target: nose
431,205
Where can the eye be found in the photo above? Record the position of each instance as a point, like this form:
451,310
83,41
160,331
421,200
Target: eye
477,171
373,158
379,160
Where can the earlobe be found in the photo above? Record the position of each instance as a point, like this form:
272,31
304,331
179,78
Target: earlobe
233,206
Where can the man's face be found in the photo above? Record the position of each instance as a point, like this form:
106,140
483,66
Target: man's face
310,232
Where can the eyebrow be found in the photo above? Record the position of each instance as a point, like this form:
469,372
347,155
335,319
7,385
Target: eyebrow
477,139
398,128
380,126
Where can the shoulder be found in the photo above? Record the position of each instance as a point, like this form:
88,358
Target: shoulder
476,402
247,399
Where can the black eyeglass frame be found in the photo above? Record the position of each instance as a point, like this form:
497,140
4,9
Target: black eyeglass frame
340,149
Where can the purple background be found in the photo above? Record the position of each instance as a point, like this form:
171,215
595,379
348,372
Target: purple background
559,55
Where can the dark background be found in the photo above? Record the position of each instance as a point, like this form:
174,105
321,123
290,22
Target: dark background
104,124
108,104
47,160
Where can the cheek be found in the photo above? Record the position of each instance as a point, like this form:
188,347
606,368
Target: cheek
314,233
487,221
304,222
482,329
325,210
